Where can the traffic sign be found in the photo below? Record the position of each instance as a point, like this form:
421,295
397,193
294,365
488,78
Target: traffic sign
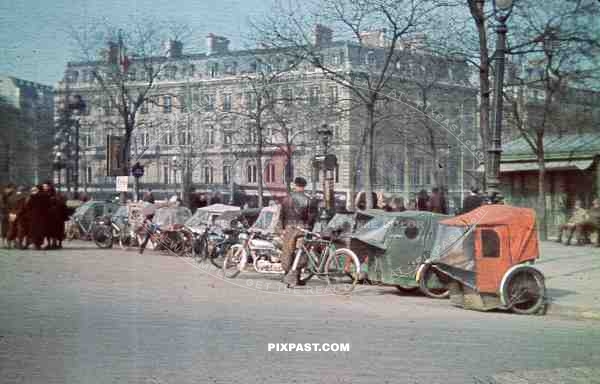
122,183
137,170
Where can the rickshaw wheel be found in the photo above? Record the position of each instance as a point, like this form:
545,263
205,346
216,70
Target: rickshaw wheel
525,291
434,293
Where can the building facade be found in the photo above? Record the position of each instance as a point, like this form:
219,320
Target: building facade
209,115
26,132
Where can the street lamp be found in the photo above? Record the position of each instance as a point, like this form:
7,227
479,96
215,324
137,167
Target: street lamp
502,11
76,105
176,165
58,164
327,163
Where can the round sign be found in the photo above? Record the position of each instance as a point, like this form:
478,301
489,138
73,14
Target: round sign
137,170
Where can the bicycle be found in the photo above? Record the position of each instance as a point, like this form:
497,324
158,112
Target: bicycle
324,260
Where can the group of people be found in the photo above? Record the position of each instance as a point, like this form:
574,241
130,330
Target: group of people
582,223
32,217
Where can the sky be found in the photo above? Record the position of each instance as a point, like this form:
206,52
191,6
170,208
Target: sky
34,38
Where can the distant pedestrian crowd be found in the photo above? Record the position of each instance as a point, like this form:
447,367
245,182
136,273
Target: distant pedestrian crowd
435,202
32,217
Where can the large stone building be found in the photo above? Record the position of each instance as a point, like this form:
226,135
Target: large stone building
26,131
202,116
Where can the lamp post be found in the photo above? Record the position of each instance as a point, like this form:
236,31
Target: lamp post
176,165
77,106
502,11
328,164
58,165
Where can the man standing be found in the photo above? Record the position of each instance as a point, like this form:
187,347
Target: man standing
579,216
472,201
437,202
298,211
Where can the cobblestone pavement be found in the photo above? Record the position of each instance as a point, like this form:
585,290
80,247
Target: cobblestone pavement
84,315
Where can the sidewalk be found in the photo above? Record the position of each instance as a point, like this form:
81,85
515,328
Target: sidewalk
572,279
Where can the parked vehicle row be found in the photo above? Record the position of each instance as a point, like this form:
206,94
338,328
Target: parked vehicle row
481,260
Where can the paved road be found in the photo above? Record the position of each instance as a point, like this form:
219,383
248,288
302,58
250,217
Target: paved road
84,315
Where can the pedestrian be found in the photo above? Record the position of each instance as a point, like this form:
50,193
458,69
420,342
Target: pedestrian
16,204
361,200
39,212
17,233
474,200
579,215
423,200
397,204
298,212
149,197
4,220
437,202
57,216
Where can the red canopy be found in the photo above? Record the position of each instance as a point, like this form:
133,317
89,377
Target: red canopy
520,223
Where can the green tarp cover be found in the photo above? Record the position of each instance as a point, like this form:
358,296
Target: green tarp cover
400,241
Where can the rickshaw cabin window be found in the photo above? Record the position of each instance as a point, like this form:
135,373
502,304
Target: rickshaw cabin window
490,243
412,229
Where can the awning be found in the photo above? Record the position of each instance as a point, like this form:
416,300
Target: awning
550,166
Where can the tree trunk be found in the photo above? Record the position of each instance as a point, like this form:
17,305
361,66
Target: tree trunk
477,11
370,168
543,227
259,166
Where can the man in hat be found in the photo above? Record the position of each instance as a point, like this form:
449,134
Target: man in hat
298,211
474,200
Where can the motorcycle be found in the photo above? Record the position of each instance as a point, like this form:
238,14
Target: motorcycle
257,248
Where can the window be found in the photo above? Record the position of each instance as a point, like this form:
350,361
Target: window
333,95
144,107
250,101
88,175
131,75
168,138
270,173
287,96
314,95
231,68
213,69
252,136
208,174
88,140
166,174
226,174
227,138
370,58
210,139
167,107
490,243
251,173
412,229
209,102
337,173
227,102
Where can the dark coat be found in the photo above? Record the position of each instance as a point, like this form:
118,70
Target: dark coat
471,202
39,206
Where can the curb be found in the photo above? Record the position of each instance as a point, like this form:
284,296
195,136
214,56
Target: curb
572,312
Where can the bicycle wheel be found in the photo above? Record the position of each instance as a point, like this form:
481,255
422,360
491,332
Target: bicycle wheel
217,256
103,237
342,266
231,261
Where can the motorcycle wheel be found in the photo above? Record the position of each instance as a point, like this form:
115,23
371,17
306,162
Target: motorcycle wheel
342,266
435,293
231,261
103,236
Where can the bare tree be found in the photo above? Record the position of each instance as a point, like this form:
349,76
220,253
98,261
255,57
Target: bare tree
376,30
125,64
562,38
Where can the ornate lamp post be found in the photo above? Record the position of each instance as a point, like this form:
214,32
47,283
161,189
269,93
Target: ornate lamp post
176,165
328,163
502,11
58,164
77,106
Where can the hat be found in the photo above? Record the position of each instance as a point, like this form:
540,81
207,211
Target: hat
300,181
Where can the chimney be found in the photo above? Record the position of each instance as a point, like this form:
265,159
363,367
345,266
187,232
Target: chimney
323,36
173,48
373,39
216,44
